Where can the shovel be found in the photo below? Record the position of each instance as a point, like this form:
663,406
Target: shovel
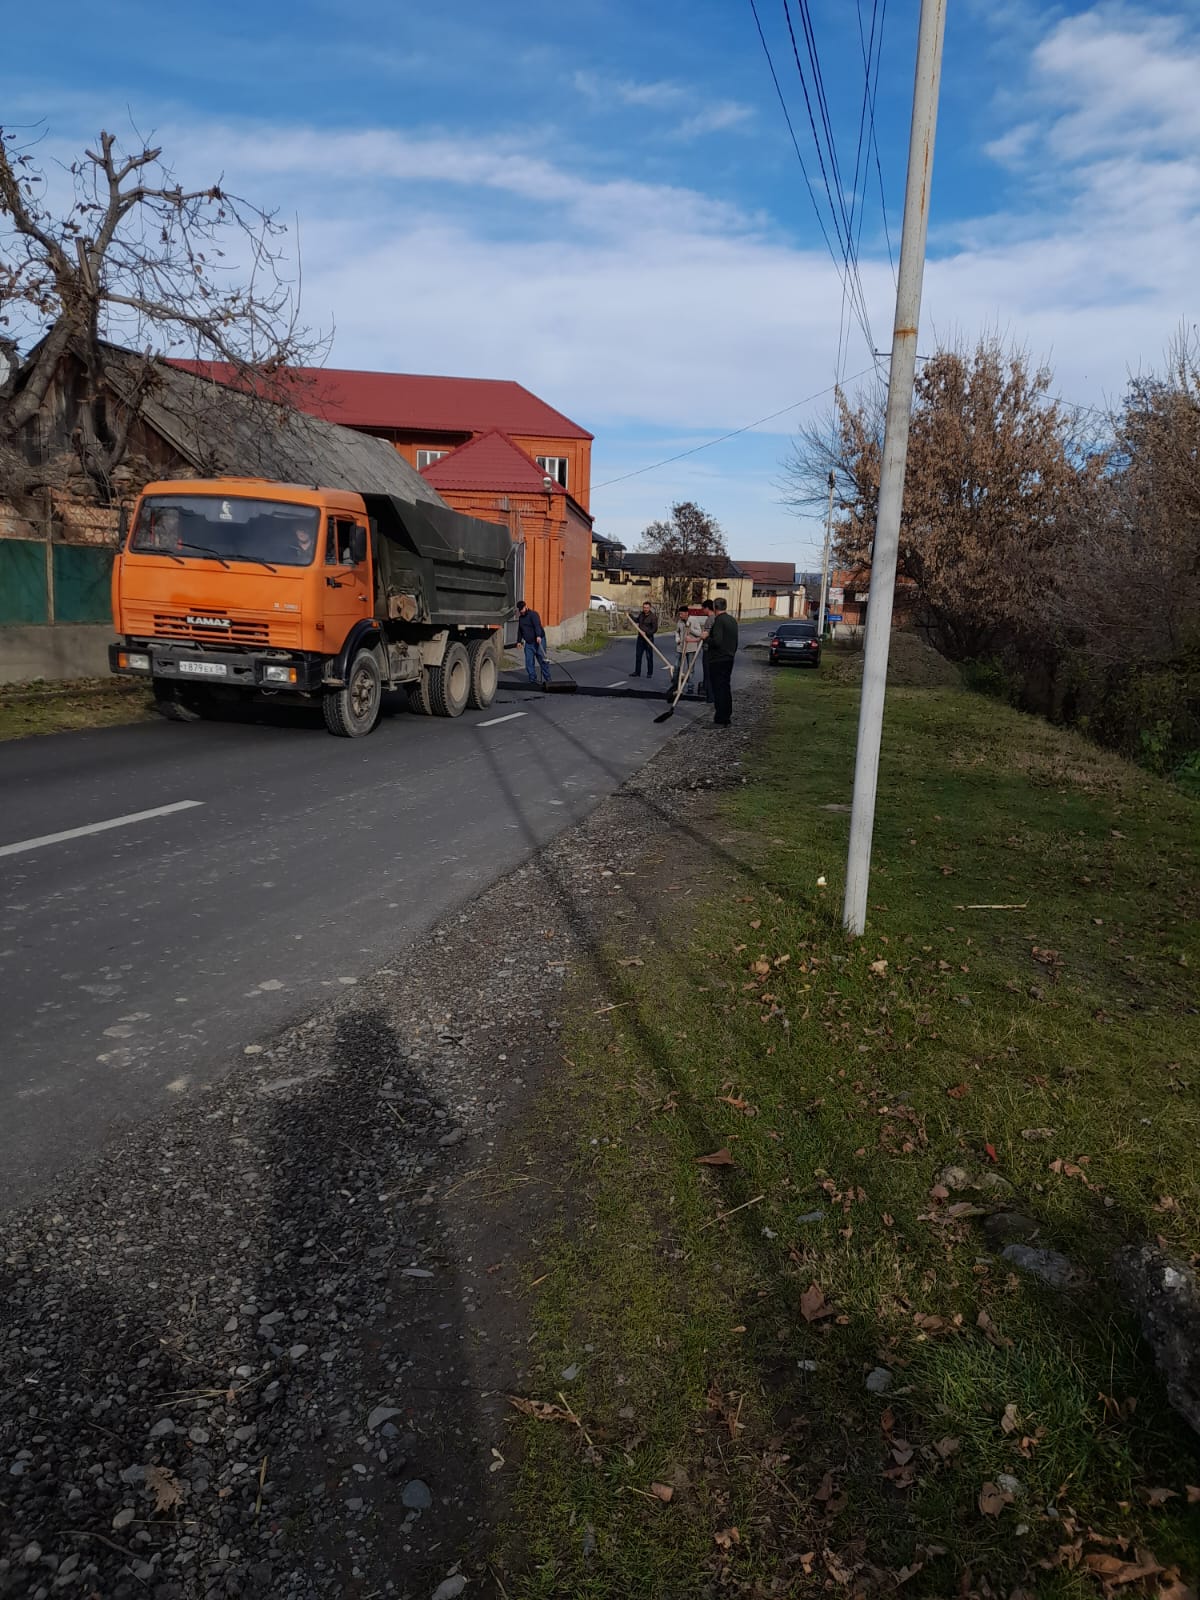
670,711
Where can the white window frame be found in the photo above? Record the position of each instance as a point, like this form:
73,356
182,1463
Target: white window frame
426,458
554,467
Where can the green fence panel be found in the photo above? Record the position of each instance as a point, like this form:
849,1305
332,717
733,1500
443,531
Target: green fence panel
82,583
22,582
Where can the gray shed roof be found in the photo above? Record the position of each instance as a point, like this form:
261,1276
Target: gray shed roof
219,430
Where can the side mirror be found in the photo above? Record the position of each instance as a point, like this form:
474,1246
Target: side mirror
358,546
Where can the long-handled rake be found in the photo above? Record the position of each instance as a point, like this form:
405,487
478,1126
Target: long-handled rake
683,678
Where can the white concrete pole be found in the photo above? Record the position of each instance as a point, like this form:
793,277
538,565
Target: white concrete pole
895,453
825,559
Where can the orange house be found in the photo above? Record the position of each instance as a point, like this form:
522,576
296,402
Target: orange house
491,478
490,448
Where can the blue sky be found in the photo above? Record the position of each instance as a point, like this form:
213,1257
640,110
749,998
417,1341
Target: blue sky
602,201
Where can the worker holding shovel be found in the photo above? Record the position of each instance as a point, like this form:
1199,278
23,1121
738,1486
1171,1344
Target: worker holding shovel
647,626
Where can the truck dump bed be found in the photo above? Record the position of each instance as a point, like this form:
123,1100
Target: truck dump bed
437,566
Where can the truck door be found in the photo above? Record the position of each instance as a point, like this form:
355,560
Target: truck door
347,581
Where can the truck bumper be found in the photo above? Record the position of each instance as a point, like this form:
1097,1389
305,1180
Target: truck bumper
273,670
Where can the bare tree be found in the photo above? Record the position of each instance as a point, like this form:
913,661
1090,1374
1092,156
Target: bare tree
134,258
689,548
990,481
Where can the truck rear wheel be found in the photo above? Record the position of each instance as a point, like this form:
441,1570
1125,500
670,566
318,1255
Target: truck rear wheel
485,674
351,712
418,696
450,684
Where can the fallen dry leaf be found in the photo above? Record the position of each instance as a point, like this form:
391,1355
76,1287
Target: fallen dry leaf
542,1410
1193,1494
813,1304
958,1091
1172,1587
1034,1134
879,966
727,1538
663,1492
1009,1422
1114,1571
631,961
1157,1497
992,1500
719,1158
991,1333
948,1447
164,1486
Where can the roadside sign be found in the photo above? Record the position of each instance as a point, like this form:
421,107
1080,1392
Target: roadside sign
831,616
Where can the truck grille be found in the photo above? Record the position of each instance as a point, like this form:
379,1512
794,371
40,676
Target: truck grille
255,632
167,626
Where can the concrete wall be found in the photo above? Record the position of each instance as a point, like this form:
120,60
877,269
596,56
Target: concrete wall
60,651
570,628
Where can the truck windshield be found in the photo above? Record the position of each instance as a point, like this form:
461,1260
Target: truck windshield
191,526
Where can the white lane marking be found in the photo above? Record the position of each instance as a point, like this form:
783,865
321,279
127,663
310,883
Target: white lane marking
96,827
616,685
496,721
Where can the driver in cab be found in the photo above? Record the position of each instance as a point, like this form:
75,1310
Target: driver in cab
304,540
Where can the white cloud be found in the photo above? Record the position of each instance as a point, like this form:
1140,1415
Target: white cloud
705,116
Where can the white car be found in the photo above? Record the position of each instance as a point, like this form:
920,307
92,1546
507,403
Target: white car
600,603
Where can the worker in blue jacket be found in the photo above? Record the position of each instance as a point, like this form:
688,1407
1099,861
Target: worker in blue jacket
532,635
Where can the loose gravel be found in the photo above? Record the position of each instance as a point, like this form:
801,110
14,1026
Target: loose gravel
263,1347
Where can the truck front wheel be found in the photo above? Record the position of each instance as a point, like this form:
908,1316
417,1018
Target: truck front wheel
352,711
450,684
485,674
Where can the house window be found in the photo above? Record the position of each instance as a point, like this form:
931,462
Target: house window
426,458
554,467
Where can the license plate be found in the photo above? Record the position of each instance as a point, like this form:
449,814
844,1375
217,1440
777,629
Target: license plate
795,644
204,669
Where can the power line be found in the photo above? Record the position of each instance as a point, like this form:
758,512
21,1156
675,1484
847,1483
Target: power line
708,444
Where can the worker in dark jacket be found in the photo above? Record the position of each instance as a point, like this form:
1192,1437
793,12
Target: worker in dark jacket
722,648
647,622
532,635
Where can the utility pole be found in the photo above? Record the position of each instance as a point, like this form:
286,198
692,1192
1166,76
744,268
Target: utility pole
825,559
895,453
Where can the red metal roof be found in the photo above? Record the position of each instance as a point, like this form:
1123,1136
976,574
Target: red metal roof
769,572
491,463
412,401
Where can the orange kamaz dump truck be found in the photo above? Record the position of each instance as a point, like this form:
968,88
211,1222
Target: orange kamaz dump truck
233,587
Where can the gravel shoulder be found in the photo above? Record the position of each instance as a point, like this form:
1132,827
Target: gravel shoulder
265,1345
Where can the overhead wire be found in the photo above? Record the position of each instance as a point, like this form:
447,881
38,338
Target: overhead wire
721,438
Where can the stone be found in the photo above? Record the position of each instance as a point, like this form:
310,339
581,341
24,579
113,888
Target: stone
812,1216
123,1518
162,1429
569,1374
1010,1485
1048,1265
1164,1293
416,1495
379,1416
1008,1227
879,1381
450,1588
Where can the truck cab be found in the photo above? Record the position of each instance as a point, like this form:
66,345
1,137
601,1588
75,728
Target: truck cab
234,587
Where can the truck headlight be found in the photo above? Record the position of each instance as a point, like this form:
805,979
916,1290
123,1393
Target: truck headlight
279,674
133,661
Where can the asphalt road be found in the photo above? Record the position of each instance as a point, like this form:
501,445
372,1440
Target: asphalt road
275,866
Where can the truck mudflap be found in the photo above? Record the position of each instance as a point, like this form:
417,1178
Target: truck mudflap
271,670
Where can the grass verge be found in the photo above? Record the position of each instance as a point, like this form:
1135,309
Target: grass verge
804,1365
27,709
598,637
